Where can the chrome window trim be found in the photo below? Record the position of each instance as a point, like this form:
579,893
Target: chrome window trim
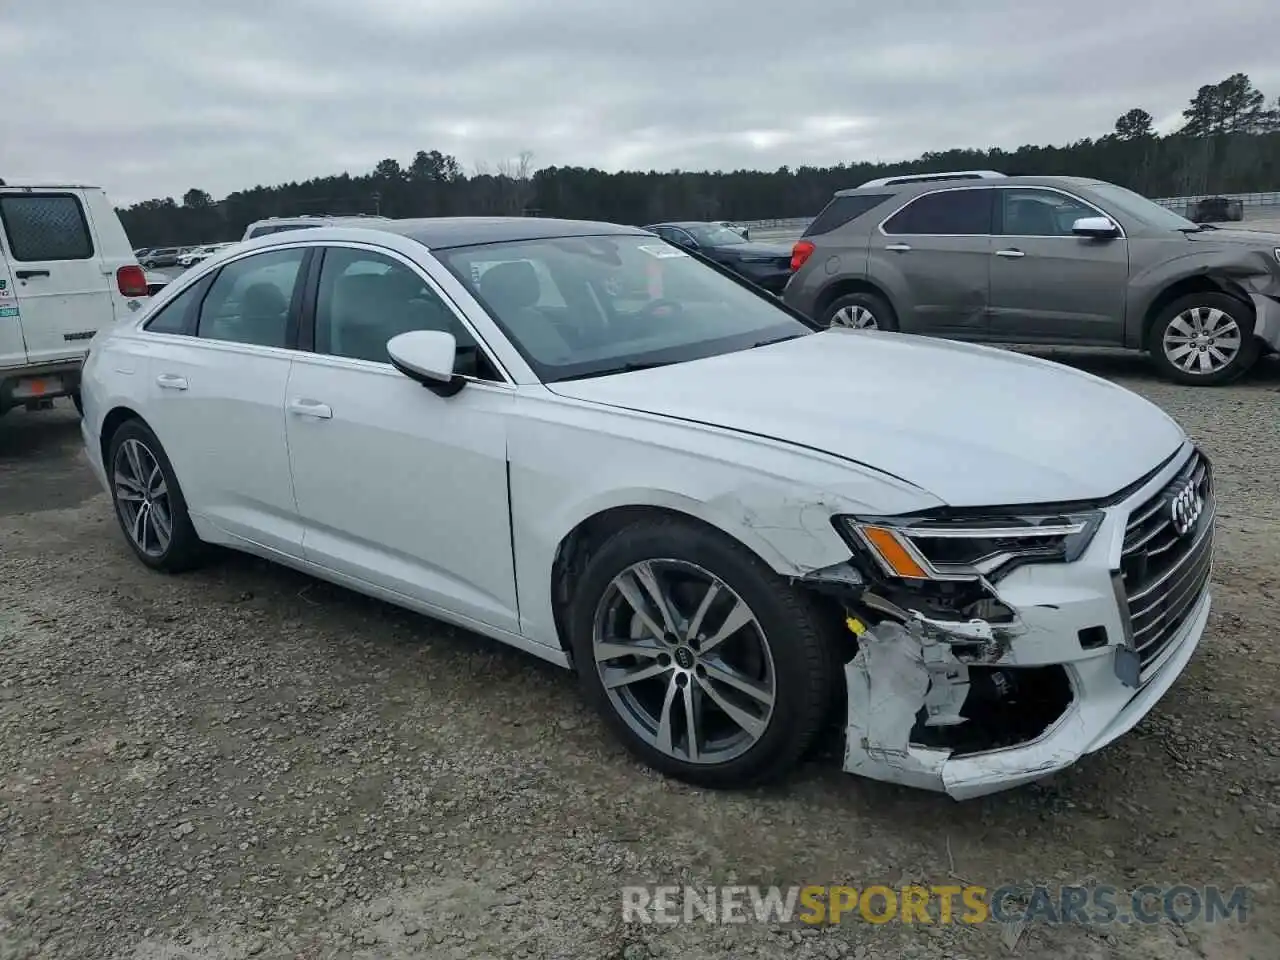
970,185
140,329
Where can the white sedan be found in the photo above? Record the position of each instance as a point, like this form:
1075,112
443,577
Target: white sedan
743,534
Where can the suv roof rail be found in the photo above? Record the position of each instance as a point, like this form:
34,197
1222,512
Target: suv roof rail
931,177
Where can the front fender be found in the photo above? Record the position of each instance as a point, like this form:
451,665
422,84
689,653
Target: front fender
774,499
1237,272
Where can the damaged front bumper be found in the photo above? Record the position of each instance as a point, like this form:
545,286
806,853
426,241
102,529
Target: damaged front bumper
1266,324
971,708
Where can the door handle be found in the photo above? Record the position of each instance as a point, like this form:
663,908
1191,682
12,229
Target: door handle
1011,252
311,408
898,247
27,274
171,381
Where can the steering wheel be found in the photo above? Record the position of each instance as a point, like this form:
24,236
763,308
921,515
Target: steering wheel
661,308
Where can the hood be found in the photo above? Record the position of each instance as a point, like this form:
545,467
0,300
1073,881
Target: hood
1247,238
974,426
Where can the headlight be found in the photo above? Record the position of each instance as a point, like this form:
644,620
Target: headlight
922,548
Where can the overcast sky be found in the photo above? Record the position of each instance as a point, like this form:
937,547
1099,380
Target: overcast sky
151,98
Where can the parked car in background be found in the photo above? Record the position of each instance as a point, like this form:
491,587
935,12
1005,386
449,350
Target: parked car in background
626,484
1215,210
141,252
767,264
196,254
978,256
66,272
161,257
263,228
735,227
155,282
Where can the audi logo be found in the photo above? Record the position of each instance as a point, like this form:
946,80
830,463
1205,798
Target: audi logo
1185,508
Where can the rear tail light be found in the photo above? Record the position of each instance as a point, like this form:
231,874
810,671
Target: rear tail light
800,253
131,281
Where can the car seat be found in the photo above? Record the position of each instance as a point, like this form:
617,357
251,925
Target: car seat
512,290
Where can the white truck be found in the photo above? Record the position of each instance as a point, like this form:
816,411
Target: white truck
67,270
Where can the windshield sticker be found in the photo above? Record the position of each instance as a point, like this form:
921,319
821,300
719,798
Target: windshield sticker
661,251
8,311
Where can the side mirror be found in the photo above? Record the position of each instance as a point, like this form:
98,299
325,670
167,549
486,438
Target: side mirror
427,356
1099,227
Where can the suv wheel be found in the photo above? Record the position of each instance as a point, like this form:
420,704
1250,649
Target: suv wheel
707,665
860,311
1204,339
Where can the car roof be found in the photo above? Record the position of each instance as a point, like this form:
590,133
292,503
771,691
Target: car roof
445,232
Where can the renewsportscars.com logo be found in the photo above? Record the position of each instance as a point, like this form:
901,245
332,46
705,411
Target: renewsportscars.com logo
943,904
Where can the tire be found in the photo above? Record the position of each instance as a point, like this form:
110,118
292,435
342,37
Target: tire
784,649
1226,322
132,450
861,311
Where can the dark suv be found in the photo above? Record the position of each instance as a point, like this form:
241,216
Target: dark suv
979,256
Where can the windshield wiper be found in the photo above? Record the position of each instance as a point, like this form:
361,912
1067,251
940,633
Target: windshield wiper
782,339
628,367
1198,228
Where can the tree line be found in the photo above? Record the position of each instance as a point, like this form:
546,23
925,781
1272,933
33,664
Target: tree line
1229,142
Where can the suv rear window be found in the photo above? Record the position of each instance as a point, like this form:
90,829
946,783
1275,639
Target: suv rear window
49,226
842,210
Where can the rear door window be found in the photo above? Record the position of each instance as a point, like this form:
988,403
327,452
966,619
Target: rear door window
946,213
45,227
251,299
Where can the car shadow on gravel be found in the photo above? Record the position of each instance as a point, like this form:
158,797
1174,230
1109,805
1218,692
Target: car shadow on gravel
1127,365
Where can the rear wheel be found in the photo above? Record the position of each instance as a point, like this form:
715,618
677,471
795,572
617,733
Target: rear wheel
1204,339
148,501
706,664
860,311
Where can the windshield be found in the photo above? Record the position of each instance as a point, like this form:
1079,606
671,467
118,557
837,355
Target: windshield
589,306
715,236
1140,208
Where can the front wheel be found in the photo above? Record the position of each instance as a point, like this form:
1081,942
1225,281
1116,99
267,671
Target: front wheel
1204,339
706,664
148,501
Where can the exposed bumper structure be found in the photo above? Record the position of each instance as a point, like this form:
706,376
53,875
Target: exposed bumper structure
1266,324
1104,636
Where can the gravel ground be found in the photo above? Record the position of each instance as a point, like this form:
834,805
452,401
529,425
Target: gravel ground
246,762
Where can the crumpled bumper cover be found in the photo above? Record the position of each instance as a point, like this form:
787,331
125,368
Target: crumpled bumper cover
1103,709
909,683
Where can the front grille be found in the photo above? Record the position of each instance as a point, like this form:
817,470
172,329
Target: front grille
1166,571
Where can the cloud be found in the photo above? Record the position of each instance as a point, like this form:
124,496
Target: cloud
233,94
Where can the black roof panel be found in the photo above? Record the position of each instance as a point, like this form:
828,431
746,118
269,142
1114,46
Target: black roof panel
444,232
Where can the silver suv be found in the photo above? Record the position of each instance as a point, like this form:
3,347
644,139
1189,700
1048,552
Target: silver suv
979,256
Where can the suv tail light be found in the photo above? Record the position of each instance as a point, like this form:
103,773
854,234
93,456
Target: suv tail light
800,253
131,281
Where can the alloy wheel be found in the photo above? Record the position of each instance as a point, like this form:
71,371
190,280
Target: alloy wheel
1202,340
142,498
856,317
684,661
